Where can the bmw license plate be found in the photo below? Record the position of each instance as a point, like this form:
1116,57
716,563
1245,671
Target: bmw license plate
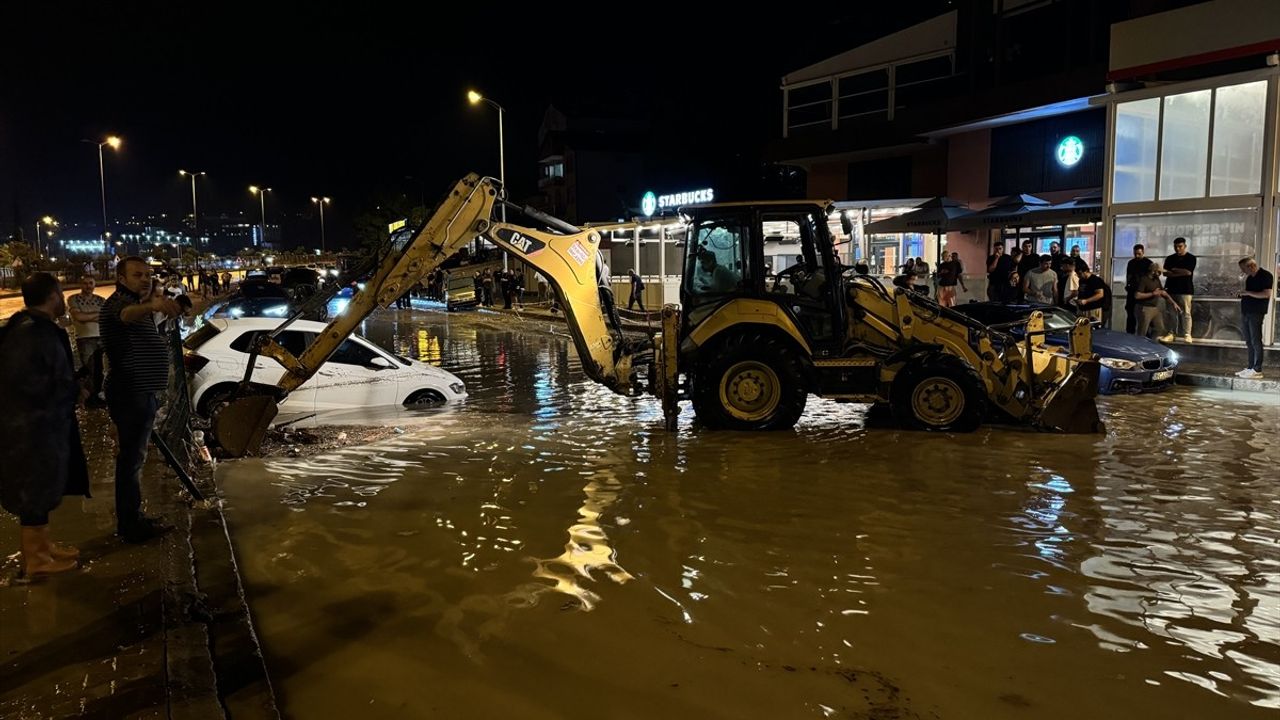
1161,375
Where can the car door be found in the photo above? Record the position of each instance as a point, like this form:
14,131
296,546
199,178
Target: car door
356,375
301,401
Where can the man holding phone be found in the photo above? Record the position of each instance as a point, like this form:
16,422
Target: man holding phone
139,372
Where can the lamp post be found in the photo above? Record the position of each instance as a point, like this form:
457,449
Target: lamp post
321,201
114,142
476,98
262,201
48,222
195,214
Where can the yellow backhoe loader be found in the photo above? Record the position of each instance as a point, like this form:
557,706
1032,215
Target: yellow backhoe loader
746,347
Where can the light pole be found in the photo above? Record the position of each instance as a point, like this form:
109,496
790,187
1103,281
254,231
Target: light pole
262,201
114,142
475,98
321,201
48,222
195,214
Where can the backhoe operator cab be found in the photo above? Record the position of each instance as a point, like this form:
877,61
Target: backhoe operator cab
755,343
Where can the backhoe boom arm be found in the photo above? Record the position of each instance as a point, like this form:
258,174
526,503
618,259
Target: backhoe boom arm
568,260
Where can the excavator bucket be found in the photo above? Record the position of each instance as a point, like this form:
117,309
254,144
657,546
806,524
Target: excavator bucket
241,425
1071,407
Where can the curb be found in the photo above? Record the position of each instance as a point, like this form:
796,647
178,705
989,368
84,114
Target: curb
1227,383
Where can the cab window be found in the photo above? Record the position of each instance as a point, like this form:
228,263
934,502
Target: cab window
716,257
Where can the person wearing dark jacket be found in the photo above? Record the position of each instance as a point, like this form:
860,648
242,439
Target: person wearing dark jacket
41,458
637,291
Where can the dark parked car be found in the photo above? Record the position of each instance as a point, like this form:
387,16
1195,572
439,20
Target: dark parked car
1129,363
242,306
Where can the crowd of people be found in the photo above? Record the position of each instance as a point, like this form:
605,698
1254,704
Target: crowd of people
507,284
43,459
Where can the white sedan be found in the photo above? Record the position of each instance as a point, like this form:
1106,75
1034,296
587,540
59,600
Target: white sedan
359,374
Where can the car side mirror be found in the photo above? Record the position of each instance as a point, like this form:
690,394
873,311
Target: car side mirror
380,363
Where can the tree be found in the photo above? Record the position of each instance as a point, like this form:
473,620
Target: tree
371,225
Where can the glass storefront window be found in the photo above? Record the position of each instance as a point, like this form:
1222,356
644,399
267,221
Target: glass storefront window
1217,238
1184,148
1239,115
1137,127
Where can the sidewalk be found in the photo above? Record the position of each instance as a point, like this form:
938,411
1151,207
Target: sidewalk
128,633
1223,376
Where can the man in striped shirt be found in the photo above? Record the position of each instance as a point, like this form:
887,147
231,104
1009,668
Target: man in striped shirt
139,371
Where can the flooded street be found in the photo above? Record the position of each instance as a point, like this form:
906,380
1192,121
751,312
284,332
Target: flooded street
546,550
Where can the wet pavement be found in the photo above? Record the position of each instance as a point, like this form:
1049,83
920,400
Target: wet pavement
547,551
113,638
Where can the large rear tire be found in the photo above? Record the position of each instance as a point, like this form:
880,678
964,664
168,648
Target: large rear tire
751,381
939,393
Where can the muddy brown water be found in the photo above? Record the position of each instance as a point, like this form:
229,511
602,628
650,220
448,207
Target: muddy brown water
545,550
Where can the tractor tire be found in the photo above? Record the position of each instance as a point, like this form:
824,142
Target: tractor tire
751,381
938,393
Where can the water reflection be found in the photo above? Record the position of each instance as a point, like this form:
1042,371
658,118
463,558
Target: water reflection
833,570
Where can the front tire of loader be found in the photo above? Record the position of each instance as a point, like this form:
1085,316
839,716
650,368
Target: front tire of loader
939,393
752,382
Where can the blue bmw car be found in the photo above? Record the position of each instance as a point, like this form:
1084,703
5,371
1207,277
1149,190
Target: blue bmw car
1129,363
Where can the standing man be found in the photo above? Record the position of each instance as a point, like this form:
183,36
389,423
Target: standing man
1137,269
1041,285
41,458
1055,257
1079,261
139,358
1068,283
1179,268
1094,299
1030,260
637,290
1146,297
1254,303
999,266
85,306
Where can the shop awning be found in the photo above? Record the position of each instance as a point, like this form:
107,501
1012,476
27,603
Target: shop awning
934,216
1010,211
1081,209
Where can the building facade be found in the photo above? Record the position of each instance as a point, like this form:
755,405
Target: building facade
1192,124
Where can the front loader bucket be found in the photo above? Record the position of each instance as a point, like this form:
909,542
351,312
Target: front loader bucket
1071,407
240,426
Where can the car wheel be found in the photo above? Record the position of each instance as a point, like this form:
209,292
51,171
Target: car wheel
214,399
939,392
424,398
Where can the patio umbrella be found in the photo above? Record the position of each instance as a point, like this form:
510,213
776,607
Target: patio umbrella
1012,211
1086,208
936,216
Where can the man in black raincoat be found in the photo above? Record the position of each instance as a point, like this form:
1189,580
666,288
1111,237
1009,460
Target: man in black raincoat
41,458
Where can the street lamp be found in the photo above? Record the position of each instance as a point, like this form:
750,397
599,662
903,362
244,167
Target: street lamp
195,215
48,222
321,201
262,201
476,98
113,141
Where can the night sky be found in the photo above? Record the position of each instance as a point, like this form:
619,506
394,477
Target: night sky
348,101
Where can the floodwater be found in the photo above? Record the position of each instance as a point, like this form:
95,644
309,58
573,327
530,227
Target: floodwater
546,550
